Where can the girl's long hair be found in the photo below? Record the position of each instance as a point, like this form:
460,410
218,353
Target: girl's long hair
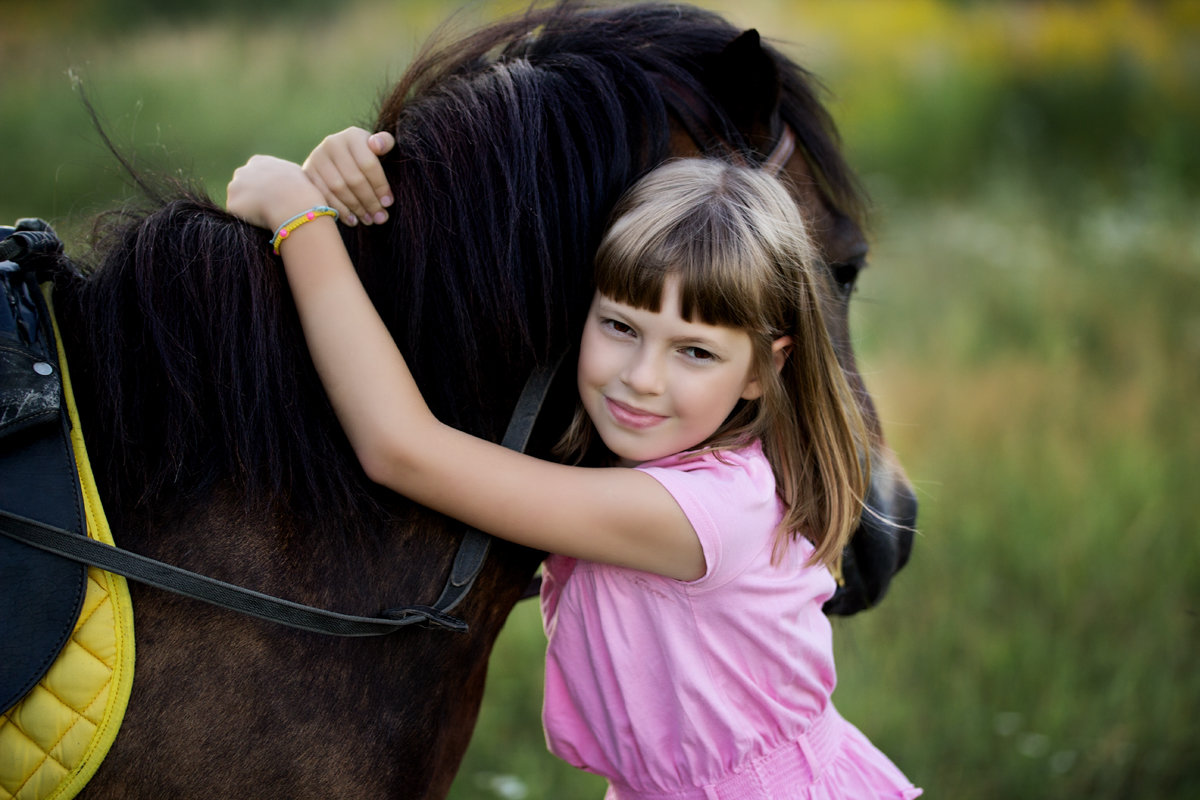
734,238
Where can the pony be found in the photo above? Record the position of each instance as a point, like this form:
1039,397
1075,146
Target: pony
216,449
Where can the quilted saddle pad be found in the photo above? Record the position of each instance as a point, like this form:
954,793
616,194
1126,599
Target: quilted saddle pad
54,739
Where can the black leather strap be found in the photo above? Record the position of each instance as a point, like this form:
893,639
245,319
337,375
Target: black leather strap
473,550
210,590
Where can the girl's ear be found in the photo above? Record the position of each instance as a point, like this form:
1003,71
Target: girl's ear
781,348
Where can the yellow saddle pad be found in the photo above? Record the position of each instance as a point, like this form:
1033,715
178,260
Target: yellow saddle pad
53,740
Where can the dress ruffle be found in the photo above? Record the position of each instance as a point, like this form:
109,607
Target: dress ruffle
832,761
858,772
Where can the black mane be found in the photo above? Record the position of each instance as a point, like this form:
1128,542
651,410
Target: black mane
512,147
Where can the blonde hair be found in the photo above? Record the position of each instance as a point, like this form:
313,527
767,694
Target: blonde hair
734,237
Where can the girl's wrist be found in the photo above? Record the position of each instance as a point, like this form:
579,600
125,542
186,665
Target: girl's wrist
297,221
292,205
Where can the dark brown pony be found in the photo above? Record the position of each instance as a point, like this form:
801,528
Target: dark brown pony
217,450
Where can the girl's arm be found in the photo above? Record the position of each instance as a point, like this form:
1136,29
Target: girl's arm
617,516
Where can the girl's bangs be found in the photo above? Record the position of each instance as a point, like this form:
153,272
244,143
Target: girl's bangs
721,270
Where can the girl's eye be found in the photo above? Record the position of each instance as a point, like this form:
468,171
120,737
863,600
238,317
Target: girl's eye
616,326
699,354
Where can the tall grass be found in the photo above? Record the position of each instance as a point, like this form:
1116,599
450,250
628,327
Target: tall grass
1029,327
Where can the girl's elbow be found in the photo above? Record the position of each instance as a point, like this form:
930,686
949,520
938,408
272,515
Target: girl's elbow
404,459
379,462
374,468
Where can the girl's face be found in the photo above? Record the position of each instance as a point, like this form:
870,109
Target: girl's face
655,384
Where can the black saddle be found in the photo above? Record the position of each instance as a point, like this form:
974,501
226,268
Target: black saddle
40,593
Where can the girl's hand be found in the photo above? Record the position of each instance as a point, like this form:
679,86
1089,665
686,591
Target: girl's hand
345,167
268,191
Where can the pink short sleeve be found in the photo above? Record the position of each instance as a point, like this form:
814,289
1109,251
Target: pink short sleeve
730,499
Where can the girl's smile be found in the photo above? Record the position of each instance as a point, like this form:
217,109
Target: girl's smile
655,384
631,417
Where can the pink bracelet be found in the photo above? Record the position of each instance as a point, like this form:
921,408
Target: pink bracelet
286,228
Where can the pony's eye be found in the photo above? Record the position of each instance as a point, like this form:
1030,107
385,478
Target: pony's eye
845,275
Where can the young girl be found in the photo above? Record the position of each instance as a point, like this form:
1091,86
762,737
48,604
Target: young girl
688,655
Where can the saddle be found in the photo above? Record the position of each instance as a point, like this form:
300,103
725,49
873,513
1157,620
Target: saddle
40,593
66,629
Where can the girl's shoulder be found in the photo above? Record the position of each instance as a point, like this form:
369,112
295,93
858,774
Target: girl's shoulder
744,468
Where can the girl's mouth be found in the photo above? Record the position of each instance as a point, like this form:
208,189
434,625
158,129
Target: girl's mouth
631,417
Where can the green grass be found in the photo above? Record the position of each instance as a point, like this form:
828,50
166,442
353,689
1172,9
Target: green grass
1029,327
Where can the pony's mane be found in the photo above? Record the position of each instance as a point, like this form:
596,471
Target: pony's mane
512,146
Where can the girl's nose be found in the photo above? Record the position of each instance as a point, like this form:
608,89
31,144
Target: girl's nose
643,373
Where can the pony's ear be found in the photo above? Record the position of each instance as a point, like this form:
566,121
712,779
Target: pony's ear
744,79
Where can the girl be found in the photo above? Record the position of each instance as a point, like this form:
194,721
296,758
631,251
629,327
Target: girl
688,657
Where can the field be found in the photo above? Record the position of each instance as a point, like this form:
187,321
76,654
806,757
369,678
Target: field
1029,327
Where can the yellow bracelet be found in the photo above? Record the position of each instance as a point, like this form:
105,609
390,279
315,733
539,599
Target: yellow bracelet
286,228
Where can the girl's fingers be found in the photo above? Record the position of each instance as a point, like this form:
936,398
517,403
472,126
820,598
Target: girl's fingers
327,169
346,169
376,145
364,178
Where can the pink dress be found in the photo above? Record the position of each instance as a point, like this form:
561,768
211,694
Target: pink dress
713,689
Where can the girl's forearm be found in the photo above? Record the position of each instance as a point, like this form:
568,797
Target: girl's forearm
363,372
365,375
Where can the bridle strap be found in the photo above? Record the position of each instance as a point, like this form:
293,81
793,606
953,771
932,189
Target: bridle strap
473,549
782,152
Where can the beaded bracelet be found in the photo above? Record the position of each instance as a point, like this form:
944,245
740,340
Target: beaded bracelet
295,222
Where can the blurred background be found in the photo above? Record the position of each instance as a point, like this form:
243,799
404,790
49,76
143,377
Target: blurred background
1029,327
